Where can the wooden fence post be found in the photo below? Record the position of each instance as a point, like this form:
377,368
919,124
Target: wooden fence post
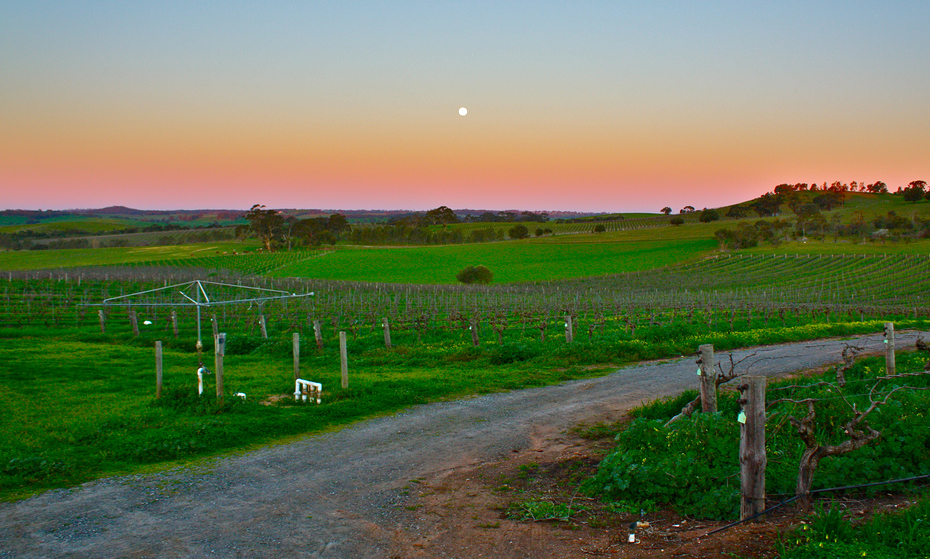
708,379
475,340
134,321
387,332
158,369
752,457
220,350
296,341
262,326
569,333
889,348
318,334
344,359
103,321
216,326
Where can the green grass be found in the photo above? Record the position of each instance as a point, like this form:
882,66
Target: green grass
73,223
71,258
533,260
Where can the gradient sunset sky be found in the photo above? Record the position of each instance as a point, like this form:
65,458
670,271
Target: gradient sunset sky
590,106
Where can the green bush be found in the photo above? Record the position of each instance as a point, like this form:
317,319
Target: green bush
692,465
475,274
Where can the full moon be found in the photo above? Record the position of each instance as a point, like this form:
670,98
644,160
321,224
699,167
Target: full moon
463,111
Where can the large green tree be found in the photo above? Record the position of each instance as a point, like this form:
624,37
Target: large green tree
266,224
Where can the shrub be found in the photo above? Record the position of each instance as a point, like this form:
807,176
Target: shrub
518,232
677,220
685,465
475,274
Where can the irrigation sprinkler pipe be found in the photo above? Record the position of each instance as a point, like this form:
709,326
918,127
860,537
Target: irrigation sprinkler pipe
200,372
302,387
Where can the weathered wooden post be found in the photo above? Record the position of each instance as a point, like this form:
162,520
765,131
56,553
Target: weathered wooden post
220,350
475,340
158,369
387,332
174,322
134,321
318,334
344,359
708,379
296,342
262,326
752,457
889,348
103,321
569,334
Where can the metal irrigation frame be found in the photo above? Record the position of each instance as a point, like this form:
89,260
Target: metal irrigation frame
201,298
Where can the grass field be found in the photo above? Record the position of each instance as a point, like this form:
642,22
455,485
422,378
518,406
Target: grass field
73,258
542,260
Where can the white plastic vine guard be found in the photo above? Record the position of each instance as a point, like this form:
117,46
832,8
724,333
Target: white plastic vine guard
304,388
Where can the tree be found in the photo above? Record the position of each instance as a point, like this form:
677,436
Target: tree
878,188
518,232
677,220
599,228
767,204
686,210
666,210
737,211
265,224
441,216
337,223
915,191
708,215
475,274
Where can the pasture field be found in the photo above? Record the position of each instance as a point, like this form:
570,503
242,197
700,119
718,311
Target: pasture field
75,258
510,262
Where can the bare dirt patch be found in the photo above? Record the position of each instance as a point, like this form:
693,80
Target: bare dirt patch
481,511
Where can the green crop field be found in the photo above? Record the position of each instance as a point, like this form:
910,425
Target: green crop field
72,258
509,261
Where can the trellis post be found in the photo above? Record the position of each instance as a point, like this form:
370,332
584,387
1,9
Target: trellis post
219,350
387,332
752,457
318,334
158,369
889,348
708,379
344,359
569,333
296,342
103,320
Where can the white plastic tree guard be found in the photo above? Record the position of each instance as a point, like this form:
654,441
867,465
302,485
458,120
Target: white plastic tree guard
305,388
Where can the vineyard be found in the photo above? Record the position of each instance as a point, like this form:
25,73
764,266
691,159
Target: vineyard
446,341
723,293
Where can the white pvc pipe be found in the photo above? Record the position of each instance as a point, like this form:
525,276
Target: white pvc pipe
200,373
302,387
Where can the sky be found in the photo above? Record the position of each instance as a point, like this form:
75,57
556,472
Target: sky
604,106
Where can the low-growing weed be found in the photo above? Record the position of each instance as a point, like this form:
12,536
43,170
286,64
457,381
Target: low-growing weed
542,510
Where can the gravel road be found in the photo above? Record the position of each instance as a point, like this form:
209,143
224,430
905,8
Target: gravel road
344,494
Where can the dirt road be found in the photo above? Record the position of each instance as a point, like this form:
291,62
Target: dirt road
351,493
